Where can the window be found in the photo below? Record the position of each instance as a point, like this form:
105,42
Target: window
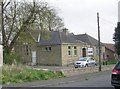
75,50
48,49
69,50
26,49
97,51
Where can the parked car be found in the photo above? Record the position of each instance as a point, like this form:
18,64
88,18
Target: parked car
85,62
115,76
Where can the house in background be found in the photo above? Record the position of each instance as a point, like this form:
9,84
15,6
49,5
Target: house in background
26,46
109,49
57,48
60,49
93,44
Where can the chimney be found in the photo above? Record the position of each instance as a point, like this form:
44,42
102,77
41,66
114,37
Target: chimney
65,30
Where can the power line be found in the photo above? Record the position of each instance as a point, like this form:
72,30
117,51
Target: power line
107,21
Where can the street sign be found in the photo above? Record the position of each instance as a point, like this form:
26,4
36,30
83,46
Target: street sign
90,51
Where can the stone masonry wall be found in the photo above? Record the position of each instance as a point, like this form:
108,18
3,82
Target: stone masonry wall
77,71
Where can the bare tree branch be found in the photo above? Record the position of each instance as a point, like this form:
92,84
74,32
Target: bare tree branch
12,26
26,16
5,5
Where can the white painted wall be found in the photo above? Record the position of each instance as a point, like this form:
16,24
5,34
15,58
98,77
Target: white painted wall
1,55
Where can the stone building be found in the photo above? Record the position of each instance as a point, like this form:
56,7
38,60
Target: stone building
58,48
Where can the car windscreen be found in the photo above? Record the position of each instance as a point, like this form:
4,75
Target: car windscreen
82,59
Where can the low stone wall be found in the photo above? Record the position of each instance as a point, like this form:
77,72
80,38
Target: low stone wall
78,71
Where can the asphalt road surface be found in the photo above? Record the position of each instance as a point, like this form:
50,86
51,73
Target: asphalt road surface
95,80
99,80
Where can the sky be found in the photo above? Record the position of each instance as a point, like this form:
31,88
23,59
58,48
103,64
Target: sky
80,16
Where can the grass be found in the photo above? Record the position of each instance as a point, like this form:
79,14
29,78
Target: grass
111,62
19,74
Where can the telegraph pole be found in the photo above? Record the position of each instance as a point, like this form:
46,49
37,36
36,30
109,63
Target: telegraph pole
99,46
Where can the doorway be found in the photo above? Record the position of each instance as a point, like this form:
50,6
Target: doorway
84,52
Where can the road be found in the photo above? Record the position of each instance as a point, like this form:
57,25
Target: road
94,80
99,79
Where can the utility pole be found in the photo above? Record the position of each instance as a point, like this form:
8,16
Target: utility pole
99,46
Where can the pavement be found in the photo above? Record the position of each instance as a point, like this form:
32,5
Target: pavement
52,68
72,71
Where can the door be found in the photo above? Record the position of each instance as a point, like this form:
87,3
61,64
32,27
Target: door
84,52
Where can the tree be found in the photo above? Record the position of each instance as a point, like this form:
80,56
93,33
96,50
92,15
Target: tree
116,39
24,16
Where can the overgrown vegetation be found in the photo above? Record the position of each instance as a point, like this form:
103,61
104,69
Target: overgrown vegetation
111,62
19,74
116,39
10,58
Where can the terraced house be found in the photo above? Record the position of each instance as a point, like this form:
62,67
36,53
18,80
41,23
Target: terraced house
61,48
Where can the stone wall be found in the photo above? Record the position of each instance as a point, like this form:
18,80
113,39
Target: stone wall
78,71
51,57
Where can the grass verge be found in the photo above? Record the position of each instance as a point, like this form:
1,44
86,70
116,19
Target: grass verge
19,74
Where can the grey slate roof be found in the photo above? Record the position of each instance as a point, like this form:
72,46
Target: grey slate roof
87,39
57,38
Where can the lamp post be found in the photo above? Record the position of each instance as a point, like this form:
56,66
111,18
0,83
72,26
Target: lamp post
99,46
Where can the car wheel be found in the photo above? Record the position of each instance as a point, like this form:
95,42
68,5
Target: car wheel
116,87
95,64
86,65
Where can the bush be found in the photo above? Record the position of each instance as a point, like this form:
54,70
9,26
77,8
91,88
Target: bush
19,74
9,58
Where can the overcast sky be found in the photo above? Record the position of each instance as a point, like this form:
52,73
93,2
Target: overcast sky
80,16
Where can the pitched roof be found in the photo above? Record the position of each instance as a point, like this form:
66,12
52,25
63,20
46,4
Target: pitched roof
56,38
87,39
109,46
34,34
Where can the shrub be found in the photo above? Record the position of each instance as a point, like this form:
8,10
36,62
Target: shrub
19,74
9,58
